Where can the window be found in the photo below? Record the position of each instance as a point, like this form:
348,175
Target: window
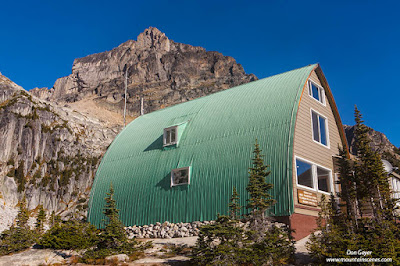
304,174
323,179
319,128
317,92
313,176
180,176
170,135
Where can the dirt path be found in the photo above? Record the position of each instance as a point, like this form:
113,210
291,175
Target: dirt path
302,256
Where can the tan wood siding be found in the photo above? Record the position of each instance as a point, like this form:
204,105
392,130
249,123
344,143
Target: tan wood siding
304,145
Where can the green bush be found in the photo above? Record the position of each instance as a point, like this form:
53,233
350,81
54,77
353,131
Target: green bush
227,242
334,236
16,239
11,162
19,237
113,239
70,235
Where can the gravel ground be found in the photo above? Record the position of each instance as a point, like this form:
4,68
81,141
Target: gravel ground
34,257
154,256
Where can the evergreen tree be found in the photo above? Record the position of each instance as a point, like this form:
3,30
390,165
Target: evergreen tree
23,214
113,239
229,236
348,188
372,181
227,242
114,234
20,176
52,219
19,237
260,199
363,183
234,206
40,219
333,236
230,247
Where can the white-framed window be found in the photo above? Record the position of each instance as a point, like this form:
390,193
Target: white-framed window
319,126
316,91
323,179
170,135
180,176
312,176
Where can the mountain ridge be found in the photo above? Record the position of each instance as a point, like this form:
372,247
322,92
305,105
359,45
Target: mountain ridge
159,70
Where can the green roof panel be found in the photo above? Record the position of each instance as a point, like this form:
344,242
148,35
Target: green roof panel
217,138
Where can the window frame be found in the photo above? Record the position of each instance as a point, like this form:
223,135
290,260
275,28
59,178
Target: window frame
321,92
188,168
165,136
330,181
314,177
319,128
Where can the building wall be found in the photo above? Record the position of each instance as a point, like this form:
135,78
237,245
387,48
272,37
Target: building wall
306,148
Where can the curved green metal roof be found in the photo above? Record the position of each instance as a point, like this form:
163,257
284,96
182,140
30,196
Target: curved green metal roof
217,143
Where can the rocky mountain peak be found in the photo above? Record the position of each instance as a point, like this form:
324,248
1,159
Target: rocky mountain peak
7,83
7,89
160,71
153,38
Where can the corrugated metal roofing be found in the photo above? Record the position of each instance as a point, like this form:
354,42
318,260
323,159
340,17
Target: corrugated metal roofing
217,143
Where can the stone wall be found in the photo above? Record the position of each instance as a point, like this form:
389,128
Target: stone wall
172,230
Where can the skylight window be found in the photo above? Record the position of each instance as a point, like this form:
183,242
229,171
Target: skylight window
170,135
317,92
180,176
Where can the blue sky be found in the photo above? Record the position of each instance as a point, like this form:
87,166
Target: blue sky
356,42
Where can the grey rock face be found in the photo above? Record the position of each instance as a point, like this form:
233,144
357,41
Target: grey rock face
48,153
379,143
160,70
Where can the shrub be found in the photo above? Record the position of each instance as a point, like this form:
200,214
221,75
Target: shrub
227,242
19,237
11,162
113,239
16,239
70,235
40,219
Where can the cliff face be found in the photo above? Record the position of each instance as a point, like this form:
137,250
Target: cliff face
379,143
160,70
48,153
